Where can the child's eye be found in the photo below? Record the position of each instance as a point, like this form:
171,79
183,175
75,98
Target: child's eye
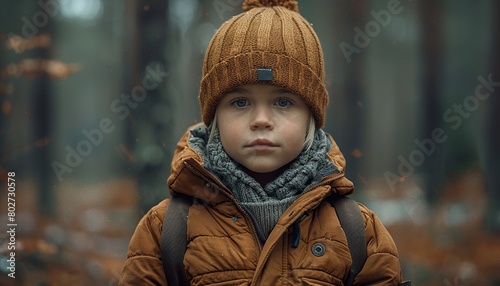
240,102
283,102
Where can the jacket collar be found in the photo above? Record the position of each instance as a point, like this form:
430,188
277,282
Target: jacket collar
188,176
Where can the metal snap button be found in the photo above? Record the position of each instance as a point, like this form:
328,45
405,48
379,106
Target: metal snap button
318,249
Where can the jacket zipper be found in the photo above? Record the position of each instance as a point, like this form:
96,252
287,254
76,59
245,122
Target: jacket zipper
216,183
322,183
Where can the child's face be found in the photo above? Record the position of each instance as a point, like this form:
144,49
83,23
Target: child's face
262,127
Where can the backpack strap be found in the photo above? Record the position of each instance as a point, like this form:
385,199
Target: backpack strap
352,223
173,243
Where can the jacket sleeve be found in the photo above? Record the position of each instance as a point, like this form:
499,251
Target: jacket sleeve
382,265
143,265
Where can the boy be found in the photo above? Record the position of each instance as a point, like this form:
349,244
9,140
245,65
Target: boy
261,170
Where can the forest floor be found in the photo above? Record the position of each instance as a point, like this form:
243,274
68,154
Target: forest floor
448,244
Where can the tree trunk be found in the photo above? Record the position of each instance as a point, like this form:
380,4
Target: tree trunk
430,13
491,133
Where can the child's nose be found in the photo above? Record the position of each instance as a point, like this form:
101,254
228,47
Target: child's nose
262,118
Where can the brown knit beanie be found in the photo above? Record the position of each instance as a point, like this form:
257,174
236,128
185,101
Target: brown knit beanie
269,43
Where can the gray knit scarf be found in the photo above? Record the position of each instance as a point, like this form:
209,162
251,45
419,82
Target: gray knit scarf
265,204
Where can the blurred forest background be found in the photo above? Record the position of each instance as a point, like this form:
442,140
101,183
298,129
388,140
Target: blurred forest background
94,95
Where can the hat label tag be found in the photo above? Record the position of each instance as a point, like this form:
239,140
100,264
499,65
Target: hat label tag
265,74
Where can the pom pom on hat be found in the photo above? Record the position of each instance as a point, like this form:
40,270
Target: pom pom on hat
270,43
289,4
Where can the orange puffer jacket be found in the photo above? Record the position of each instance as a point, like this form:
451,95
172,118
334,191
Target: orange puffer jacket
223,246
